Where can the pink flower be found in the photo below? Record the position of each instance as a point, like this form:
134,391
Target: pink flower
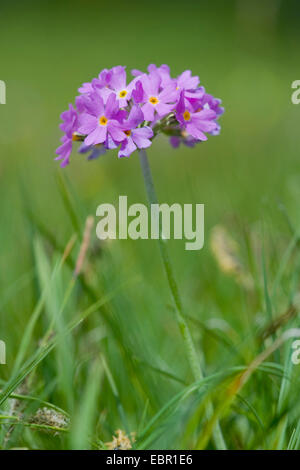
102,121
118,84
100,82
154,99
135,137
185,81
111,113
69,126
195,123
163,71
190,85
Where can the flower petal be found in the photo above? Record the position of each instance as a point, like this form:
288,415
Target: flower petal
127,148
112,106
118,78
148,111
87,123
98,136
195,132
115,131
135,117
141,137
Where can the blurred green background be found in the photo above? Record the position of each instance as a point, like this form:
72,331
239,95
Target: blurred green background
246,53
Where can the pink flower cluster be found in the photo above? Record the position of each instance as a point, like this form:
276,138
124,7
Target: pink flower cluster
111,113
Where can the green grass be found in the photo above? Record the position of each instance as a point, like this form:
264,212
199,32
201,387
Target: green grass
102,350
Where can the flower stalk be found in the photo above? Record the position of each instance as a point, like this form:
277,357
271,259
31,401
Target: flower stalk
180,316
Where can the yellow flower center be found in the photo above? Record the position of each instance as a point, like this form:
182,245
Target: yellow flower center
127,133
103,121
123,93
77,137
153,100
186,115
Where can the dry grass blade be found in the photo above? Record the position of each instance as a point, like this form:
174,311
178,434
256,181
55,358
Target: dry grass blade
84,245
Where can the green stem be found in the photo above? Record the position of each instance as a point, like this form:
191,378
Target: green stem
180,316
